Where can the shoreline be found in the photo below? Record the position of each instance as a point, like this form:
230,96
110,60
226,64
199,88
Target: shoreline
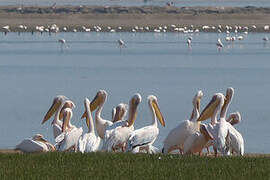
134,18
255,155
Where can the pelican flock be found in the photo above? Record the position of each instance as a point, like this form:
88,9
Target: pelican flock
190,136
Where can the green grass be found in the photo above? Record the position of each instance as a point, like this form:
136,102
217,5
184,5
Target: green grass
130,166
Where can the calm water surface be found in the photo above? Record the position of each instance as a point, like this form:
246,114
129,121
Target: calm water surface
180,3
33,70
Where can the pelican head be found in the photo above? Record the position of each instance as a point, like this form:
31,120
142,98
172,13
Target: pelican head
57,101
98,99
39,137
67,104
217,99
229,96
120,112
133,104
235,118
154,103
196,103
197,99
67,115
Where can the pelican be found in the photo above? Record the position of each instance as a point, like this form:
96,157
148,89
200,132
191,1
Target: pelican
119,112
226,137
70,134
120,135
89,142
99,102
219,44
57,105
177,136
197,141
146,136
36,144
211,110
118,121
234,118
200,141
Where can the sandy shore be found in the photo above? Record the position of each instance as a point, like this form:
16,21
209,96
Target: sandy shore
129,17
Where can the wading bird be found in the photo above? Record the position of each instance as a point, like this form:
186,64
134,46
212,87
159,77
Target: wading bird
143,138
219,44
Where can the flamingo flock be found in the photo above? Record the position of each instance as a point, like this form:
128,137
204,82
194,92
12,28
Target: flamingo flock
190,136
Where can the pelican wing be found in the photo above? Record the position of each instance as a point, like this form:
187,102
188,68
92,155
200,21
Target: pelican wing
57,130
236,140
118,137
110,128
71,138
142,137
92,142
29,145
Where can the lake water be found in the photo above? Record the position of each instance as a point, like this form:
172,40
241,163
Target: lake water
33,70
262,3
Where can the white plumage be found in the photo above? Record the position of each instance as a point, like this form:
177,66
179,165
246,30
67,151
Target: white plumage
146,136
89,142
35,144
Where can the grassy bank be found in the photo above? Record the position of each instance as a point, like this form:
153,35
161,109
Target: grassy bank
129,166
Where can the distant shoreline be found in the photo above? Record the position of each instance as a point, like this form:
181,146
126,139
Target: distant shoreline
127,18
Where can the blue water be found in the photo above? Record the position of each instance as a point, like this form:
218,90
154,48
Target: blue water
33,70
241,3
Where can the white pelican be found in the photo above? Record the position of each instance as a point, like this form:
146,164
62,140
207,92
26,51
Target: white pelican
119,112
219,44
228,99
57,106
118,121
226,137
234,118
99,102
197,141
89,142
143,138
177,136
70,134
35,144
120,135
211,110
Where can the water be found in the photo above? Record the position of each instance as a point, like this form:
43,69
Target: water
33,70
241,3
